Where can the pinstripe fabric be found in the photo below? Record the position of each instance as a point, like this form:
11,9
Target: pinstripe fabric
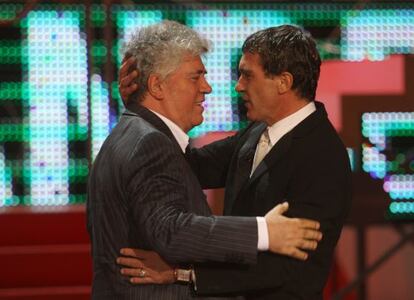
142,193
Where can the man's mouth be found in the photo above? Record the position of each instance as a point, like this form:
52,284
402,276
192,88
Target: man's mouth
245,98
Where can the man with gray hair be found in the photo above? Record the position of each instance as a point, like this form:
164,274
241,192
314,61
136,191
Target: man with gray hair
142,192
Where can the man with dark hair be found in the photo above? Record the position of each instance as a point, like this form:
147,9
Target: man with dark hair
289,152
142,192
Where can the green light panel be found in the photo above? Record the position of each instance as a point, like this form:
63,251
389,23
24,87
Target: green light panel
388,156
49,132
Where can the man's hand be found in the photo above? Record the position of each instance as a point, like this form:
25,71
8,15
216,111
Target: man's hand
289,236
145,267
126,79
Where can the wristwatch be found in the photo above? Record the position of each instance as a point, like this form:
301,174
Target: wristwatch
184,275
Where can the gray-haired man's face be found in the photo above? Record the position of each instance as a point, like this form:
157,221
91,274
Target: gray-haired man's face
185,91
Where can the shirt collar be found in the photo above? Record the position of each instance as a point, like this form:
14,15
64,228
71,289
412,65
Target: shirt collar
280,128
180,136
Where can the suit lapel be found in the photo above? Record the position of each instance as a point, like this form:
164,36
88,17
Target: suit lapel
244,165
141,111
282,146
276,153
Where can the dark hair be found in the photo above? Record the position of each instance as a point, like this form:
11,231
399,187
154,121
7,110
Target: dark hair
290,49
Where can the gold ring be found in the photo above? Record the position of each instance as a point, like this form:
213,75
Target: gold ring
142,273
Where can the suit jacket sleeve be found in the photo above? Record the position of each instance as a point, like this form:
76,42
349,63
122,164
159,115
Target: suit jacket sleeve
319,190
160,205
211,163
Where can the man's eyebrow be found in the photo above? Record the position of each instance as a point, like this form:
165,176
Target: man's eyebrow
198,72
245,71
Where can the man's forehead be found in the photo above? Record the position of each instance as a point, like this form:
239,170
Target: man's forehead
249,59
193,64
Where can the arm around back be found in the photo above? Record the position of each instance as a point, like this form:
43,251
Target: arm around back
164,208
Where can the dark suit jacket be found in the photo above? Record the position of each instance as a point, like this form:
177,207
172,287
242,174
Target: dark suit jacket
309,168
142,193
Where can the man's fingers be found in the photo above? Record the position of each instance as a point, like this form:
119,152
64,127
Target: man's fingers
132,272
296,253
307,245
307,223
128,90
129,262
312,234
139,253
289,236
126,64
139,280
126,80
128,59
280,209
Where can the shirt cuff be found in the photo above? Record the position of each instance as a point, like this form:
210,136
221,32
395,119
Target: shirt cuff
263,234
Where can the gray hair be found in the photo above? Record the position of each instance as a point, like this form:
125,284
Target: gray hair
160,49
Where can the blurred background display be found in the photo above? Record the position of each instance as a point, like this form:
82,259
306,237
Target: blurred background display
59,94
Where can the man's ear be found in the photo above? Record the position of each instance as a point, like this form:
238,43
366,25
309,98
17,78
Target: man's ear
285,82
154,84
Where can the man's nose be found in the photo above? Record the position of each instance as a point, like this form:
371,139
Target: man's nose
206,87
239,87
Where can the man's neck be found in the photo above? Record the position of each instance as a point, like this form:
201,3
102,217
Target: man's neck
180,136
290,107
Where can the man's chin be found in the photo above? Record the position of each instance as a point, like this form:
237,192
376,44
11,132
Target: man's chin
251,116
197,121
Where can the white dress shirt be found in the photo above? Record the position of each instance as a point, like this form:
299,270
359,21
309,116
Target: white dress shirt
276,132
180,136
280,128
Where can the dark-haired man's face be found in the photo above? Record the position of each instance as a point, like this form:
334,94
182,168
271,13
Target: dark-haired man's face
258,91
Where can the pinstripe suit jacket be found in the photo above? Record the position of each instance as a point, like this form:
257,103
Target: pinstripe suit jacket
142,193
